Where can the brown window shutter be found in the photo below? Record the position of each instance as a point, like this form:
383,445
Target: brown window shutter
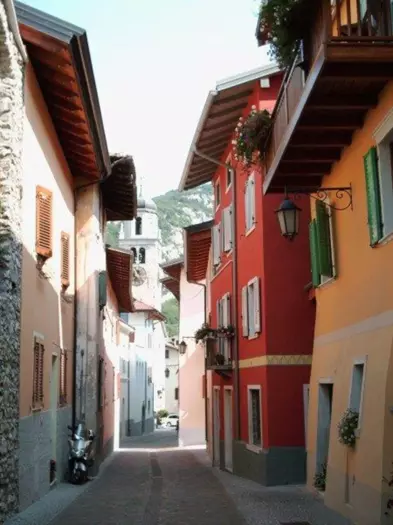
65,259
38,374
41,375
44,203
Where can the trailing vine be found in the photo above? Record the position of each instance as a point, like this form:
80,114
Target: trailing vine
283,24
250,137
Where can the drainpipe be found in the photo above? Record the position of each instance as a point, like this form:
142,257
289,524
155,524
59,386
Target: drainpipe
236,382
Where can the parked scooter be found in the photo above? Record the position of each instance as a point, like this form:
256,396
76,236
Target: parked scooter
80,456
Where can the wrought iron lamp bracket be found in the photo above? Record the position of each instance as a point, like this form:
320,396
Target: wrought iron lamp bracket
343,194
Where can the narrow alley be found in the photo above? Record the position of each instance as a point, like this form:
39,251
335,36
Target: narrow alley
153,482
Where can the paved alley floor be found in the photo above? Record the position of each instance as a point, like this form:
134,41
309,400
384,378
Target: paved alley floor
153,482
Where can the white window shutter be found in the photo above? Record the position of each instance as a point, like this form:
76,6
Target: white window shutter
224,307
219,314
252,199
230,228
246,204
216,245
245,311
228,307
220,243
257,306
227,229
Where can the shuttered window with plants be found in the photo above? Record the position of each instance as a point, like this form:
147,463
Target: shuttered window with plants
44,204
63,378
38,374
321,245
65,260
374,208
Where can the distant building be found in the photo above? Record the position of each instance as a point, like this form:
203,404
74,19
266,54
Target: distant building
171,377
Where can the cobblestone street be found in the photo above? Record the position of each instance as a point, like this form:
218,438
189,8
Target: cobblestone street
151,482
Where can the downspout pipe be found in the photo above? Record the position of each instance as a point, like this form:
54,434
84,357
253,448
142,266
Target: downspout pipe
14,26
234,286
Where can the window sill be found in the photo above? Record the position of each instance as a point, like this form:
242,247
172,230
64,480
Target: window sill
249,232
357,432
252,337
386,239
254,448
328,281
35,410
228,188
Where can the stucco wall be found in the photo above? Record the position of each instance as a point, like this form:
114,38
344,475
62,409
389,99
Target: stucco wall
11,142
45,311
355,321
191,365
172,382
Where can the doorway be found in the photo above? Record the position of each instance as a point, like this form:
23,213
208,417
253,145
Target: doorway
228,428
216,426
54,397
325,402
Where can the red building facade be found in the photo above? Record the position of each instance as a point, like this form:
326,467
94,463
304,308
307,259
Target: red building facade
258,285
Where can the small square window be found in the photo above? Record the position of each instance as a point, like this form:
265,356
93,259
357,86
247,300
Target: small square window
229,177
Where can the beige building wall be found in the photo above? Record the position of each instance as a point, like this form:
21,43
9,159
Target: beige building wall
46,313
191,365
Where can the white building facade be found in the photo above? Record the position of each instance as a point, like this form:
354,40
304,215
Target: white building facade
171,378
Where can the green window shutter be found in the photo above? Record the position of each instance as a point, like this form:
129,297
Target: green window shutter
102,289
316,276
323,237
373,196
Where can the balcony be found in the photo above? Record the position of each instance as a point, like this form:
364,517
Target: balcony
218,355
344,63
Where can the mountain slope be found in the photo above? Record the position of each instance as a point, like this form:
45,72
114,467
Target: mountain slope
177,210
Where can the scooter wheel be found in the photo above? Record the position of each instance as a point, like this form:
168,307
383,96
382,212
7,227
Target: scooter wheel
76,477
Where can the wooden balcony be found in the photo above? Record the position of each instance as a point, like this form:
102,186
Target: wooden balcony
344,63
218,356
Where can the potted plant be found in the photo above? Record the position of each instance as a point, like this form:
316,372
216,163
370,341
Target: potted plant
220,359
226,331
250,136
347,428
204,332
320,478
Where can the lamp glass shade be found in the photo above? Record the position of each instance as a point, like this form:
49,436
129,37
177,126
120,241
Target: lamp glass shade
182,347
288,215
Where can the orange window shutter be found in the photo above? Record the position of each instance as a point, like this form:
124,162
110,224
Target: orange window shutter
65,259
44,201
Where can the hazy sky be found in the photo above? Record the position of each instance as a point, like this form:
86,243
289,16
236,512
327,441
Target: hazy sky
154,63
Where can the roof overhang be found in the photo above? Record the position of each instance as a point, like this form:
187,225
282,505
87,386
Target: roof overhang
173,268
219,117
119,265
197,242
151,312
119,190
172,285
60,56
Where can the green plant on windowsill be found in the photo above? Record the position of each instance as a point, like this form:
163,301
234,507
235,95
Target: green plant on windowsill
347,428
226,331
205,332
250,136
320,478
283,24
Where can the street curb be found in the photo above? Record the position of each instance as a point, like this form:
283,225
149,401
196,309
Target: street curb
46,509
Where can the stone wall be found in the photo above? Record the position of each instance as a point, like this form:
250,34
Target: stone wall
11,138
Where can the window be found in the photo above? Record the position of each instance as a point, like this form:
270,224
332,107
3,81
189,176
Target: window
38,373
378,169
251,312
249,202
321,245
254,416
166,353
63,378
43,222
229,177
65,260
142,255
176,394
133,251
167,372
217,194
227,228
148,406
100,384
217,244
357,388
224,320
149,340
138,226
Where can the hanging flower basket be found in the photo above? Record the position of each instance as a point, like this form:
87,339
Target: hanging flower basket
250,137
226,331
283,24
347,428
204,332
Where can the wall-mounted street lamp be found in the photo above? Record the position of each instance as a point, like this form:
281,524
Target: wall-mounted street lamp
183,347
288,213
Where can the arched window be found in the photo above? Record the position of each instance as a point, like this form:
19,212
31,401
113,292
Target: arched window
133,251
138,226
142,255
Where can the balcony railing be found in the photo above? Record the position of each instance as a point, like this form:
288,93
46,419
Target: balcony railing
341,24
218,354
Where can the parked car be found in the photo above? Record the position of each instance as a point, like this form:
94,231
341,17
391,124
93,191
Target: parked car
170,421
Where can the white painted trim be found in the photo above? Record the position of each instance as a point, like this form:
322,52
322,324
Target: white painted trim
227,387
358,361
249,388
38,335
248,76
326,381
384,127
